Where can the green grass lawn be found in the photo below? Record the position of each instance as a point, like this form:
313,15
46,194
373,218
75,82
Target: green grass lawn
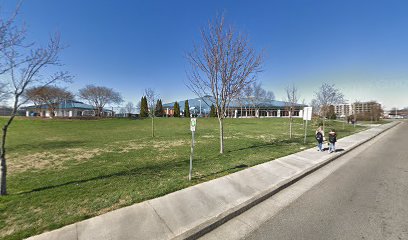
64,171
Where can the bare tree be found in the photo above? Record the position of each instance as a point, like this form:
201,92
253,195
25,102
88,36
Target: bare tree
242,100
292,97
52,96
99,96
376,111
222,66
259,94
23,63
151,104
138,106
247,98
315,107
129,108
32,95
123,111
255,97
252,95
269,95
326,96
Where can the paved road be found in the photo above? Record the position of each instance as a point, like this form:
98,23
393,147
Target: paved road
364,197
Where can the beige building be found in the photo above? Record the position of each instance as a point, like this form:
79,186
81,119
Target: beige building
344,110
365,107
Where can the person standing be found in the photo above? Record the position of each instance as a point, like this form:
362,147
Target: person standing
332,141
319,137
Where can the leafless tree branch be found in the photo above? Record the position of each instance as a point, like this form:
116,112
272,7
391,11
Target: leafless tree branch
292,97
222,65
99,96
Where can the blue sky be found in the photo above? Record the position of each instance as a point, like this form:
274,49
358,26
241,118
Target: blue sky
360,46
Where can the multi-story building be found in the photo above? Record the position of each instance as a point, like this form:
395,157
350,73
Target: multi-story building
365,107
343,110
358,108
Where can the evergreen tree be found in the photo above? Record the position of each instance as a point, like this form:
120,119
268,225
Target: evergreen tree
176,110
213,112
159,111
186,109
144,109
146,106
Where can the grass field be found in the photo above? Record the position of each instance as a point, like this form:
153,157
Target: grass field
64,171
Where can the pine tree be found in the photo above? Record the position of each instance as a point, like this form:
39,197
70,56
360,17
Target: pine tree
213,112
144,109
176,110
159,111
141,113
146,106
186,109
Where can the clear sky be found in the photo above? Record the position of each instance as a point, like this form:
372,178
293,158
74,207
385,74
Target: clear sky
361,46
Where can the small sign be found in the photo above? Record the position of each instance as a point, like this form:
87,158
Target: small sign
307,113
193,124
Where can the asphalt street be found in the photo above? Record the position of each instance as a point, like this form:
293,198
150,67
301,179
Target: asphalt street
361,195
367,198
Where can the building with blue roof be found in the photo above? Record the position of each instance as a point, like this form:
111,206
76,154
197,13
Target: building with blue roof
68,108
243,108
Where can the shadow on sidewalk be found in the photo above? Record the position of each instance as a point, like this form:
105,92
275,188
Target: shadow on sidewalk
337,150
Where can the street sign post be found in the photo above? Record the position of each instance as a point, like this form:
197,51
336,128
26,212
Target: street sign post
307,116
193,124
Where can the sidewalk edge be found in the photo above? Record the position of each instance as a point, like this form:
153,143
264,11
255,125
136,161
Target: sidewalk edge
217,221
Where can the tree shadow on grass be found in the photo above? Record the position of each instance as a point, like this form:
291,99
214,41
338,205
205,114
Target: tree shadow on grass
228,170
148,171
279,143
157,169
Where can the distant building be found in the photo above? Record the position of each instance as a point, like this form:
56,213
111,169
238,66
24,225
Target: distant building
365,107
69,108
359,108
245,108
6,111
396,114
343,110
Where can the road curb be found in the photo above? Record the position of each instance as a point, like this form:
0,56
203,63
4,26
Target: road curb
228,215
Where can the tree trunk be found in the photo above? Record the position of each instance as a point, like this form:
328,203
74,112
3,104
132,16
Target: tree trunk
152,126
3,167
290,127
220,120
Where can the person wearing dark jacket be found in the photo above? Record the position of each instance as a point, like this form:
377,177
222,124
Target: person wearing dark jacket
332,141
319,137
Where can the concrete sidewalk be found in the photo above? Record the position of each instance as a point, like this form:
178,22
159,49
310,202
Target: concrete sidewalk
191,212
